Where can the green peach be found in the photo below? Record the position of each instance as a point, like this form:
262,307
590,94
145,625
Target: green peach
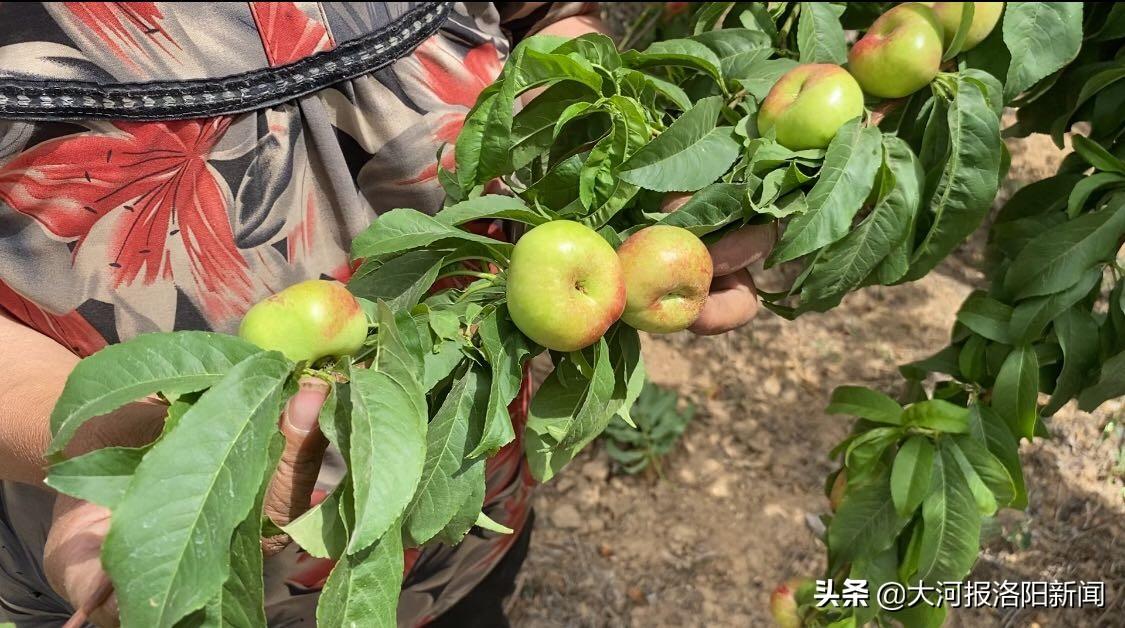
565,285
667,276
807,105
307,321
900,53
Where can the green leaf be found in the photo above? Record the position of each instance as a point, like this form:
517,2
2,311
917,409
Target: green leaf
401,281
968,179
1016,391
844,264
389,416
709,209
988,427
982,495
1087,187
986,316
363,588
1056,260
944,361
910,474
867,449
849,170
1031,316
866,522
937,414
484,144
402,230
738,49
446,482
689,155
1042,38
681,52
564,416
865,403
988,468
100,476
490,206
506,349
1109,385
321,531
1077,332
963,26
820,38
761,76
533,127
467,514
168,545
1097,156
174,364
951,525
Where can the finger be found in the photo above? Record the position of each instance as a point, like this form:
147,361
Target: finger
742,247
733,301
72,558
292,485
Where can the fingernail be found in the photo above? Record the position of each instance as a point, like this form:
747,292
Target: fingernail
303,409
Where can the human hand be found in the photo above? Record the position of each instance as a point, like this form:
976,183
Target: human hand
72,555
733,300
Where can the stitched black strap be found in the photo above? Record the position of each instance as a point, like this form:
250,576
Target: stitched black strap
178,100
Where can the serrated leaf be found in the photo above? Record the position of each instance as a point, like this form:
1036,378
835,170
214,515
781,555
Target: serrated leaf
168,545
490,206
982,495
1016,391
937,414
845,263
363,588
681,52
988,427
1077,332
969,177
446,481
401,281
401,230
690,154
1031,316
1057,260
865,403
388,434
321,531
951,533
466,515
849,170
709,209
178,363
1109,385
1042,37
100,476
866,522
986,316
738,49
988,468
910,474
506,349
820,38
761,76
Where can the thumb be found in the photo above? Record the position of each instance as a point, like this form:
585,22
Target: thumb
291,488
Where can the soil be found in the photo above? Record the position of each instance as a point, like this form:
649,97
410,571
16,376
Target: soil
732,518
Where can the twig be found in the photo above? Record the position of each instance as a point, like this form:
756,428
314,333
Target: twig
101,594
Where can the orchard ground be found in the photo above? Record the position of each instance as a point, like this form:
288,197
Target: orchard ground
706,545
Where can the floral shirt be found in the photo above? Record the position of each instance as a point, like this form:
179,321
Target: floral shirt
165,165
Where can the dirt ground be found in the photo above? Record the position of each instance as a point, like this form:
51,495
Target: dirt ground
706,545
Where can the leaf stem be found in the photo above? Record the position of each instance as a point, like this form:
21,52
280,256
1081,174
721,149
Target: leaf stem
467,273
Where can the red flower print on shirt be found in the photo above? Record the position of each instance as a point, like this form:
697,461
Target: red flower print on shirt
288,34
70,329
116,22
150,184
456,82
